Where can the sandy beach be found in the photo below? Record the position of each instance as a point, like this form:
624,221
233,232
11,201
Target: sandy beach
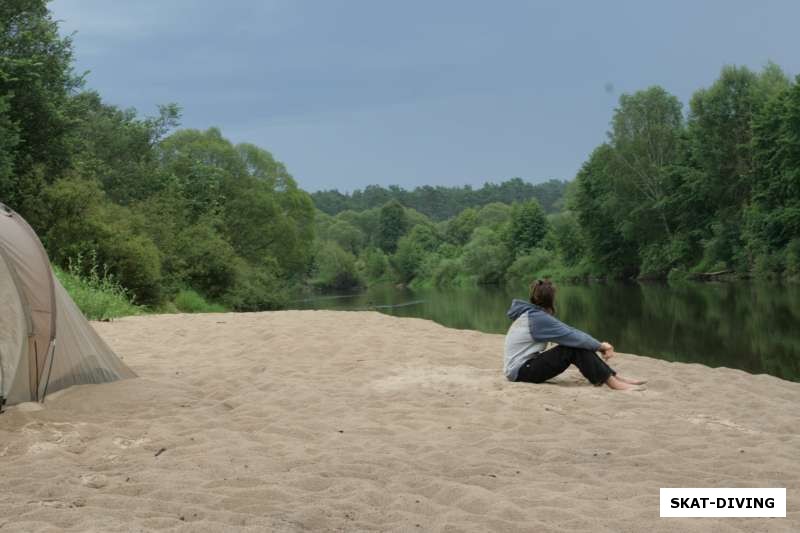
357,421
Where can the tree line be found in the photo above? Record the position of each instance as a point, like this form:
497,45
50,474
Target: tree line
715,190
669,195
440,203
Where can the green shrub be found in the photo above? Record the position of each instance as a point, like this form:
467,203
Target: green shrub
537,263
459,229
527,228
791,259
83,222
189,301
412,249
257,288
566,233
208,261
374,264
449,272
346,235
136,262
767,265
655,262
486,257
335,268
97,294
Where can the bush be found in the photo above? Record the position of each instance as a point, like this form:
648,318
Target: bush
527,228
97,294
412,249
792,259
136,262
537,263
207,261
82,222
449,273
374,264
494,215
257,289
189,301
566,234
767,265
459,229
335,268
655,262
346,235
486,257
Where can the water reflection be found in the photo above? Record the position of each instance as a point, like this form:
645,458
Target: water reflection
752,327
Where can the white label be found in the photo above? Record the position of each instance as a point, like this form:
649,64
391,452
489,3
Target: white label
751,502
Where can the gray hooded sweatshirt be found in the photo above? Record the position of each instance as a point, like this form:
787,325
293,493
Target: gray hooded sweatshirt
532,329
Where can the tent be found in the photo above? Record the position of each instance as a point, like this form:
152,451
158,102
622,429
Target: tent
46,344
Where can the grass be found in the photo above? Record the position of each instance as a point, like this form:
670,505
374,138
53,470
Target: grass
99,296
189,301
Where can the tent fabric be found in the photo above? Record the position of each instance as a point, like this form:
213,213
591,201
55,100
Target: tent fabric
46,344
13,330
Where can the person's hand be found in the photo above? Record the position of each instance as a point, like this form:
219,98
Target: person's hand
607,350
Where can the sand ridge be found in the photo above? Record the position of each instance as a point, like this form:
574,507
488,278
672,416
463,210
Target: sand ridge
358,421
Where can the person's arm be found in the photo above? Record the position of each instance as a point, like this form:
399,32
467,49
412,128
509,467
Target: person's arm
547,328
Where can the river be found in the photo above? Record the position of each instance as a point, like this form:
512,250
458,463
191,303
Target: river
749,326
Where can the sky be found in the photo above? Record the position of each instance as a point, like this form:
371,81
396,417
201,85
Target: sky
357,92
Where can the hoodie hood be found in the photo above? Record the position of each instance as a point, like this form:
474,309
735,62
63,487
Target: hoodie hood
518,307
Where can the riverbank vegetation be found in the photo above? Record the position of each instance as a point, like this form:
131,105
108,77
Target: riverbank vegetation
184,219
713,190
161,209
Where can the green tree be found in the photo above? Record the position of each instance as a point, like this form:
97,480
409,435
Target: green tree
116,147
262,212
721,140
392,225
533,265
610,251
773,219
460,228
9,138
645,137
412,249
486,257
374,264
83,223
568,237
346,235
494,215
36,79
527,228
442,203
335,268
721,136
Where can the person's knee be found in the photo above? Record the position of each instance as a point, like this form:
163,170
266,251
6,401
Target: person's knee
580,353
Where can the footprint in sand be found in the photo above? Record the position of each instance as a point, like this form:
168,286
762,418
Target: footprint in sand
713,422
125,443
48,437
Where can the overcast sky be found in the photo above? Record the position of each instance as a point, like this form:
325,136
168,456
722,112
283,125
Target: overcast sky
348,93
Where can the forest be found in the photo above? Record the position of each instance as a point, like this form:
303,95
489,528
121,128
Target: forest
673,193
441,203
173,215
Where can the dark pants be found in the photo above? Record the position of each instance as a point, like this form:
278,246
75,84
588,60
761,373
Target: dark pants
554,361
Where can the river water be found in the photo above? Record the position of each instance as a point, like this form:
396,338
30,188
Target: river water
749,326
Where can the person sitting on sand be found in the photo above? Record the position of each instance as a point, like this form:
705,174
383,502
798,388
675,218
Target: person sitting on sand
535,325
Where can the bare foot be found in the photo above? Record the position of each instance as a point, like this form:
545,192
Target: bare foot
615,383
631,381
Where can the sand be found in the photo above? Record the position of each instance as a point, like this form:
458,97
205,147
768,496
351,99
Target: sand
345,421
